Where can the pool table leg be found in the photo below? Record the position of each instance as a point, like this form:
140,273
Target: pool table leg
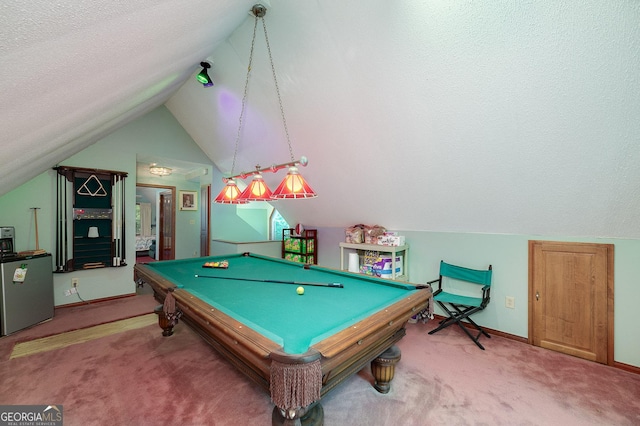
165,323
384,367
312,415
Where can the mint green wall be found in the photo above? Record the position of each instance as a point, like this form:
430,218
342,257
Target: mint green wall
257,219
15,211
509,256
226,224
239,224
156,133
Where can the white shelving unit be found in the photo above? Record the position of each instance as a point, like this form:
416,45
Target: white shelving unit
391,250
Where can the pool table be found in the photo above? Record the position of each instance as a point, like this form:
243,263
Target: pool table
297,347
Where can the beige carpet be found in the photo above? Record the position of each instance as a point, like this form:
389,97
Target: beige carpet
75,337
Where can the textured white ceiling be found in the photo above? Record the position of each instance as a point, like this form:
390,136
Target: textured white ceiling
447,116
71,72
500,117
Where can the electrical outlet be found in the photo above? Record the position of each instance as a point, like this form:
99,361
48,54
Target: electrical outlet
510,302
74,282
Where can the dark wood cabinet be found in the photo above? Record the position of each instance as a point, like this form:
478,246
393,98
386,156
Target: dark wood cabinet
94,233
92,237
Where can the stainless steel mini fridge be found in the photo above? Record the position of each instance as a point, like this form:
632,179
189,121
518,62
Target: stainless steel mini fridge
27,292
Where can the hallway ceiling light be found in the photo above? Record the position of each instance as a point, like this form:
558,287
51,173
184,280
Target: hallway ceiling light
293,186
154,169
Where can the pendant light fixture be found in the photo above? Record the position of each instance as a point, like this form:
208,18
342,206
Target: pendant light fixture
293,186
257,190
229,194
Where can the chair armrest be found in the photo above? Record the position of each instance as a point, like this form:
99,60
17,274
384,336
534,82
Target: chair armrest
439,281
486,290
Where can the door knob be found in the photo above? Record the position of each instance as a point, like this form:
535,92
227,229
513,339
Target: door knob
537,295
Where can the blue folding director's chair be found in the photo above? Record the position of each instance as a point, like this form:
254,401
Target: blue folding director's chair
460,307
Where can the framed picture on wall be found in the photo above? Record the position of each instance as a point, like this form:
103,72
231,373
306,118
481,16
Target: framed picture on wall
188,200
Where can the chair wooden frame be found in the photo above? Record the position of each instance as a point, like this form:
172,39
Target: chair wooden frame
457,306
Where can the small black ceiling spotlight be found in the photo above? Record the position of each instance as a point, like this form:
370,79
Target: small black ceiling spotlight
203,76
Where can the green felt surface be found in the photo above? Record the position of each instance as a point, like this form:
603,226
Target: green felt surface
275,309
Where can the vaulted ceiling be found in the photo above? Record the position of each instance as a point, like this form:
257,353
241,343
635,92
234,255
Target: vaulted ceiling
417,115
74,71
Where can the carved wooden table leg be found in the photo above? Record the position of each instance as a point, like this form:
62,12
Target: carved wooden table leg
302,416
384,367
165,324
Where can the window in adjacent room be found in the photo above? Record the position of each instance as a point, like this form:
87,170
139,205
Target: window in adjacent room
278,223
138,224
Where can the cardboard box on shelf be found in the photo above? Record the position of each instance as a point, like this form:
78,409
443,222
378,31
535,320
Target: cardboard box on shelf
391,240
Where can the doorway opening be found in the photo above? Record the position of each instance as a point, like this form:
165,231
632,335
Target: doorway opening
155,222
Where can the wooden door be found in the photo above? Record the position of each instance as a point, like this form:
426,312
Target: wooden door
166,248
571,298
205,213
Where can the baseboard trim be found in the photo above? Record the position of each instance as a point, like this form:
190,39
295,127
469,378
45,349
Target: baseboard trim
626,367
615,364
91,302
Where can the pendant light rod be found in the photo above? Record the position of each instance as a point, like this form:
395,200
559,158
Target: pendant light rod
273,169
294,185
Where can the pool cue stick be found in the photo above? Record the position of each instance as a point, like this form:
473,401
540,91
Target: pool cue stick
123,230
118,221
35,219
63,219
334,285
66,219
59,227
114,218
118,213
61,188
58,221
